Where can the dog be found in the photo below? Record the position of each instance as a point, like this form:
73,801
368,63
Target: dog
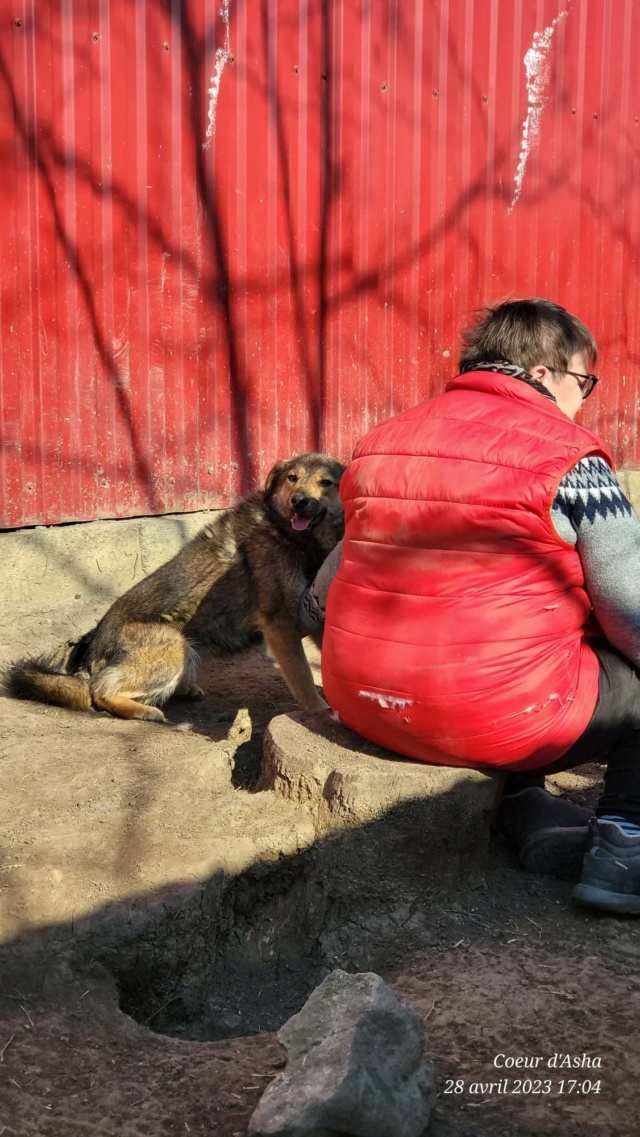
239,580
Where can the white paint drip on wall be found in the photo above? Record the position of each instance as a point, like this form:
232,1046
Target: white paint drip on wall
223,55
536,67
388,702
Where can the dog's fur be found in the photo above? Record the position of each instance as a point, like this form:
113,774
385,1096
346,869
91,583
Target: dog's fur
241,578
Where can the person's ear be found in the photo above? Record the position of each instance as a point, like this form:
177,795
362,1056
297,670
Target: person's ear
543,375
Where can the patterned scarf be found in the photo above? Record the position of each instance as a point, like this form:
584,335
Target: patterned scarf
503,367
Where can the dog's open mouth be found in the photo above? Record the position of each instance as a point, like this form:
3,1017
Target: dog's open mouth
299,522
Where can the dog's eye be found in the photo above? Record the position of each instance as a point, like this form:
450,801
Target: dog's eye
326,483
291,478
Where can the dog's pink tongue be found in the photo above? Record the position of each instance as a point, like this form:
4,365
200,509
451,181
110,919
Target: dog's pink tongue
300,523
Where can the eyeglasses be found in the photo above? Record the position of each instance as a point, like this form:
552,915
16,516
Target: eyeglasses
586,383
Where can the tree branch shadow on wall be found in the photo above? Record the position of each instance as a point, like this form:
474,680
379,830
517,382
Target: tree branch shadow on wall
48,156
334,276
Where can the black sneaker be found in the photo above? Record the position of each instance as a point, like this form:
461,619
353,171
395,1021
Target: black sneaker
610,877
549,834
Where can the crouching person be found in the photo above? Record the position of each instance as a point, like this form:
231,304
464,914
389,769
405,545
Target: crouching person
485,608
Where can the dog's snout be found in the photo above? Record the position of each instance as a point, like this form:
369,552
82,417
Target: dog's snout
299,499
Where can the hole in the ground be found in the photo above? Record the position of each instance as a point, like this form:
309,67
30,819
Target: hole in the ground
238,998
241,963
239,954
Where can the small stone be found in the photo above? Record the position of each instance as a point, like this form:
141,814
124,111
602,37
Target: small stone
355,1065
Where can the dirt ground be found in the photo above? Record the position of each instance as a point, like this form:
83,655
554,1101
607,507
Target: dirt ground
507,971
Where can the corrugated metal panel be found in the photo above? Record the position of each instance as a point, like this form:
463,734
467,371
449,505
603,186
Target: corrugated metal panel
230,233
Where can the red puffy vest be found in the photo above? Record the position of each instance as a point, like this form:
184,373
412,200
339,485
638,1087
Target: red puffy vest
457,624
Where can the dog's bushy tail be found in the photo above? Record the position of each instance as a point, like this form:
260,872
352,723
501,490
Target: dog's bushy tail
45,680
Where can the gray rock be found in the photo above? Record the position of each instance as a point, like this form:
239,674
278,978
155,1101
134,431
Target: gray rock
356,1066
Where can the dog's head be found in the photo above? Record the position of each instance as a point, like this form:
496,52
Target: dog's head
304,491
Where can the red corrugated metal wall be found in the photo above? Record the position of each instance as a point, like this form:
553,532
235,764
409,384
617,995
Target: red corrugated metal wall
230,233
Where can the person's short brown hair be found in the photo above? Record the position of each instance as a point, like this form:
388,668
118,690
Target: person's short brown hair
526,333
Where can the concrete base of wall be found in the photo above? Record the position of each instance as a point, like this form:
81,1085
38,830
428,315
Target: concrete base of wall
630,482
96,561
100,560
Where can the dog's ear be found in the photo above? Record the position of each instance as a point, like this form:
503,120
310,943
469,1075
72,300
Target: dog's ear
274,474
335,469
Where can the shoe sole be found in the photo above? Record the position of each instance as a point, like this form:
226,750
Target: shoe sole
556,852
617,902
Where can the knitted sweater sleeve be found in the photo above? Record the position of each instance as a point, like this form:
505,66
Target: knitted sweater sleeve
591,511
314,600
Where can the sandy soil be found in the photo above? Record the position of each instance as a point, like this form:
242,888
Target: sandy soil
510,969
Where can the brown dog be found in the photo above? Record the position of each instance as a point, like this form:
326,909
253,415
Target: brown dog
241,578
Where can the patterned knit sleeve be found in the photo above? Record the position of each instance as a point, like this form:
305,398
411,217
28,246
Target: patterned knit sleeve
314,600
591,511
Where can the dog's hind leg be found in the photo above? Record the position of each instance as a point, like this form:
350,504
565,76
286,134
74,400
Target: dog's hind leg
126,708
285,645
189,691
186,688
151,662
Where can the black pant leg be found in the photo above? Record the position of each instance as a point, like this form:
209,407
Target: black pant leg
612,736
